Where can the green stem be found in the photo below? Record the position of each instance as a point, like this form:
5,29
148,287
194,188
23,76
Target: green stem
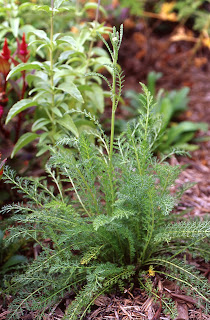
113,107
51,68
149,233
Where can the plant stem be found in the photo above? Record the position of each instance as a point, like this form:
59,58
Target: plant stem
51,67
113,105
92,41
20,118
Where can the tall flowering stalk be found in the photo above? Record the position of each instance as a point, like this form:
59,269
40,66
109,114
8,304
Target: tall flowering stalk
21,55
4,70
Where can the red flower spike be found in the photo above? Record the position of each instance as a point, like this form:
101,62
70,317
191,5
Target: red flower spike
23,52
4,59
5,51
1,111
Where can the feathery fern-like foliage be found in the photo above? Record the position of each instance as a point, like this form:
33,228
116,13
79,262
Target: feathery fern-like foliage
108,223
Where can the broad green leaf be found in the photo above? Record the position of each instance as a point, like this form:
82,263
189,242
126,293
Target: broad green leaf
185,126
100,52
186,146
25,66
25,5
56,35
41,34
97,97
85,125
57,112
42,150
64,55
186,136
42,8
68,39
103,62
166,111
14,22
151,81
44,136
39,124
179,99
14,260
19,107
68,123
84,35
23,141
71,88
58,3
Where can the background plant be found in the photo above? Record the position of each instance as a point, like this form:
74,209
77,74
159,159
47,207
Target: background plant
117,229
59,85
169,105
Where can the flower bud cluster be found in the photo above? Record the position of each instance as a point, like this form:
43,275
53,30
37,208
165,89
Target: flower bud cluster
5,64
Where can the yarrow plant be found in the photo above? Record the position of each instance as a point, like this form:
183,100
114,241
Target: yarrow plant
117,229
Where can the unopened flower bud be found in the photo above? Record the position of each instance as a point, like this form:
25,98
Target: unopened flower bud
23,52
5,51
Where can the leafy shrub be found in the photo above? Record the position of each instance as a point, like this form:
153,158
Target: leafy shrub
169,104
118,225
58,84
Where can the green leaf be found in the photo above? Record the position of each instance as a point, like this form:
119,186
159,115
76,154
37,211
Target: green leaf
39,124
185,126
64,55
69,40
41,34
166,111
84,35
42,150
19,107
23,141
57,112
68,123
45,8
97,96
84,125
25,66
71,88
15,22
16,259
58,3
